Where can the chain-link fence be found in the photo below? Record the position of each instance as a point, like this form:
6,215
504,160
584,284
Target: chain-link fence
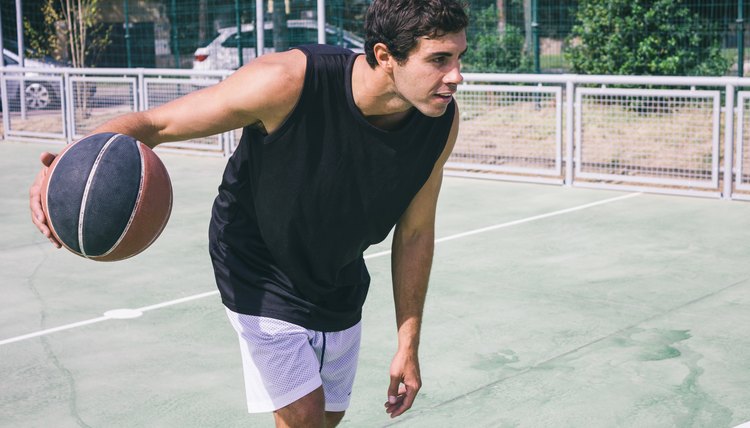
548,36
167,33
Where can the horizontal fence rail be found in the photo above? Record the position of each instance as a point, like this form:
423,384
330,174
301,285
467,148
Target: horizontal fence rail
677,135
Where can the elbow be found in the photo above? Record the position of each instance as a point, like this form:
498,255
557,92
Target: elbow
423,237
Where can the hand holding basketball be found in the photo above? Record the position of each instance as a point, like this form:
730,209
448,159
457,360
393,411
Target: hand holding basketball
35,200
106,197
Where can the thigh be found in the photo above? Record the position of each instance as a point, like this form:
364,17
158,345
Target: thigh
339,367
279,363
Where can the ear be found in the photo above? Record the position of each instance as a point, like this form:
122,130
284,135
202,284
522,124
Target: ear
383,56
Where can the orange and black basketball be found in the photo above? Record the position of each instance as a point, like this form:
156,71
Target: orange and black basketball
107,197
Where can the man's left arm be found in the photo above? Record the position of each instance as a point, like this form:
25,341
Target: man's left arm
411,260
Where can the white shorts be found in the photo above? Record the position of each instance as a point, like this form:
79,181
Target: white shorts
283,362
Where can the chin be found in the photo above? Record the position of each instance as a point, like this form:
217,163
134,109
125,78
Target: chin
433,110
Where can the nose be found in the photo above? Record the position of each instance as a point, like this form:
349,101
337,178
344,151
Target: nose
454,77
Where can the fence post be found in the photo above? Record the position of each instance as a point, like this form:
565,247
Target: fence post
740,39
259,28
69,111
321,21
728,142
569,131
21,56
4,103
238,22
535,34
127,34
2,42
175,38
142,102
19,33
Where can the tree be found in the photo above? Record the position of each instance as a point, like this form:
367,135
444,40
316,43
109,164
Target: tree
492,51
81,16
643,37
73,31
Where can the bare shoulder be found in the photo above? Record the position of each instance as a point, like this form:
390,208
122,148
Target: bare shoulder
279,72
269,86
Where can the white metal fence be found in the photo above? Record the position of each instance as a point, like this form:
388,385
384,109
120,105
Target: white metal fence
660,134
79,100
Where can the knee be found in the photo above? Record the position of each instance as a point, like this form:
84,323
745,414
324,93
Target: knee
308,411
333,418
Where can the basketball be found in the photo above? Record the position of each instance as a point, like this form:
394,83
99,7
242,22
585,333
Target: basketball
107,197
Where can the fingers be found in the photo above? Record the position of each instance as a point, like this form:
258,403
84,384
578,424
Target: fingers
405,383
393,388
402,401
35,200
40,221
46,158
395,399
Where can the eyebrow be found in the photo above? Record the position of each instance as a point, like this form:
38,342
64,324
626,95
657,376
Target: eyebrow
441,53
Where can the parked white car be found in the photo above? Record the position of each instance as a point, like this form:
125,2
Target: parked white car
221,52
38,94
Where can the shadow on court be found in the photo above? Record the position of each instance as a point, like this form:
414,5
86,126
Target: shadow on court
548,306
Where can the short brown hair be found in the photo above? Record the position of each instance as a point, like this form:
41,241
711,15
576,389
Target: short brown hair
400,23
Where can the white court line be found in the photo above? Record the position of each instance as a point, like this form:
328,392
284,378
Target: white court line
517,222
53,330
177,301
369,256
105,318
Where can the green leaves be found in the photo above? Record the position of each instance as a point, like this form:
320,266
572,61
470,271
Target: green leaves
491,50
643,37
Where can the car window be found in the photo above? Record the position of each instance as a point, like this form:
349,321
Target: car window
210,39
247,38
9,61
301,36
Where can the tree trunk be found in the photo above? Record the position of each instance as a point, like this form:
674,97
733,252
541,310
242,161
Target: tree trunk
501,16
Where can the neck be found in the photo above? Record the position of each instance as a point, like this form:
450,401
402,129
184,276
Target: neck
375,95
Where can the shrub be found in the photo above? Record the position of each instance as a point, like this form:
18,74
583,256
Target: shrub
643,37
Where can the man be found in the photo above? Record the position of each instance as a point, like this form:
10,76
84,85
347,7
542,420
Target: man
337,148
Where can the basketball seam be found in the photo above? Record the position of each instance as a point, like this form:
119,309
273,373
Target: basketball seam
137,202
89,180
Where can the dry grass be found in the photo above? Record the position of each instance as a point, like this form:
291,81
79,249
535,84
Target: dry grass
630,136
502,132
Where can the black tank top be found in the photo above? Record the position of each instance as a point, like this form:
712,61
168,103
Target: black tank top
297,208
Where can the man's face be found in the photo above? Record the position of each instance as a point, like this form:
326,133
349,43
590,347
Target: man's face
429,77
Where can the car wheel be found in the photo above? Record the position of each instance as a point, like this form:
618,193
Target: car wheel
38,96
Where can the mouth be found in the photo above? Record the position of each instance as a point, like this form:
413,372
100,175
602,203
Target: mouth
444,96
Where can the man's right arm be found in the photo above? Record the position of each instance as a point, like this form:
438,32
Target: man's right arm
264,91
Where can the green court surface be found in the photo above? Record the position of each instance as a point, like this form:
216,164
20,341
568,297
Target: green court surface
548,307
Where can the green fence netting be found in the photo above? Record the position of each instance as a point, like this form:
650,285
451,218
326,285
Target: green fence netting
505,35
